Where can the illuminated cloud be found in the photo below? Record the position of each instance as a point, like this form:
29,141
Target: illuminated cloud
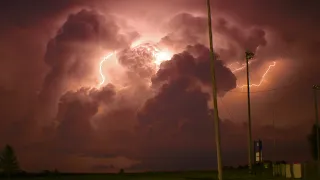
194,63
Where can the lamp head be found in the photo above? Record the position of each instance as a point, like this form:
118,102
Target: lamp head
317,87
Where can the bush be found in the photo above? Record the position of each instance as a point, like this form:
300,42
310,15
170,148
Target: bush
121,171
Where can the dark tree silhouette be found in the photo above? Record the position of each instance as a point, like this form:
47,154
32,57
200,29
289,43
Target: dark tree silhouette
8,161
312,139
121,171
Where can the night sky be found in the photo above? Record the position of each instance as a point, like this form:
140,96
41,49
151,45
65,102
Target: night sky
147,107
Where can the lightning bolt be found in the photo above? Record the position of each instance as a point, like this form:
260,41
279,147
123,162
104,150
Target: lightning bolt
262,78
103,78
242,66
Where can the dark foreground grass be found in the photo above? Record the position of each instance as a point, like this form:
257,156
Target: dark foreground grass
194,175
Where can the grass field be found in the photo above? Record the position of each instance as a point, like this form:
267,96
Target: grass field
230,174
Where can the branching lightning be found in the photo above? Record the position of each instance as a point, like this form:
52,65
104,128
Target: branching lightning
263,78
103,78
242,66
237,66
160,56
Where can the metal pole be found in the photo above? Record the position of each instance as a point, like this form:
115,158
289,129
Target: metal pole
274,141
249,118
274,129
315,88
214,94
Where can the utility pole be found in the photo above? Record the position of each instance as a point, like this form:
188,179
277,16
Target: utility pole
249,55
274,140
274,128
214,94
315,89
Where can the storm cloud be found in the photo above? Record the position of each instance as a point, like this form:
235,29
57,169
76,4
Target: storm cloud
55,116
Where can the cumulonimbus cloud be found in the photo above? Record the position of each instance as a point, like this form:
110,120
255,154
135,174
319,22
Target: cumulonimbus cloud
137,123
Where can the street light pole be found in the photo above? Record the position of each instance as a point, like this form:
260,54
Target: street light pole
249,55
214,94
274,127
315,89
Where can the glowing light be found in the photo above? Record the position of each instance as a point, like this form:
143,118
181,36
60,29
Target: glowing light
263,78
103,78
159,55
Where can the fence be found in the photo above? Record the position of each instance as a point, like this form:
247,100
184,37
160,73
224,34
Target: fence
306,171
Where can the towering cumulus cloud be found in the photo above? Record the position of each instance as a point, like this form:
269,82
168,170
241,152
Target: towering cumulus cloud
194,63
230,39
75,117
71,54
185,29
